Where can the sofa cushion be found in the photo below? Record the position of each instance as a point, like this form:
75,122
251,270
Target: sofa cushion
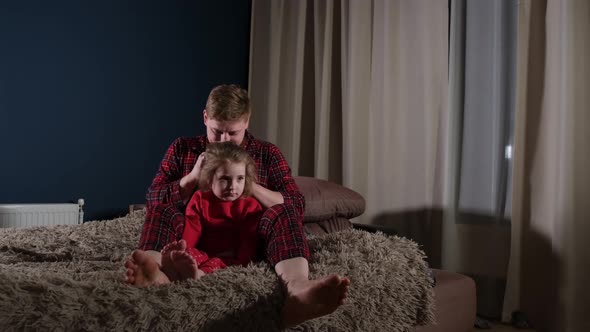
455,303
326,226
328,200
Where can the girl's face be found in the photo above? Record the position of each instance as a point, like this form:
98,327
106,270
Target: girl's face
229,180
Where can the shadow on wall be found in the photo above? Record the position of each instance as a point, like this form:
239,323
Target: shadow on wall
484,243
541,265
424,226
540,283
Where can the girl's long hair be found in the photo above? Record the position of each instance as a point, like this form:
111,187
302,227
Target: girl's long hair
218,154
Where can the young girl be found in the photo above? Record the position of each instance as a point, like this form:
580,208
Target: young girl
221,218
221,221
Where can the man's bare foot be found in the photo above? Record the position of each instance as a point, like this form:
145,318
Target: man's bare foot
143,270
168,266
308,299
184,265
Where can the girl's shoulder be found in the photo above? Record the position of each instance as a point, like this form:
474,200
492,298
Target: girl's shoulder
195,204
203,199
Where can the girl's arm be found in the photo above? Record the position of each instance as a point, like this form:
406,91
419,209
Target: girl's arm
192,226
170,185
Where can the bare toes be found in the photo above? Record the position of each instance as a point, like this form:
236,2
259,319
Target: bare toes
185,265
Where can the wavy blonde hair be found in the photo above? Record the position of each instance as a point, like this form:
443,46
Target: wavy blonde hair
222,153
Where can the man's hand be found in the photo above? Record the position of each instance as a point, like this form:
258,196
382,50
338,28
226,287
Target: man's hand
266,197
195,174
190,182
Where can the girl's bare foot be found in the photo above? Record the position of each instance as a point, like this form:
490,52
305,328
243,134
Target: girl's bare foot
143,270
184,265
168,266
308,299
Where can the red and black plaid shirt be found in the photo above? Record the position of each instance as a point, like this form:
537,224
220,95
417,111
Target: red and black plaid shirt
280,225
273,171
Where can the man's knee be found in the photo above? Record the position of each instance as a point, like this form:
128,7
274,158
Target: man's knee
163,224
280,220
281,212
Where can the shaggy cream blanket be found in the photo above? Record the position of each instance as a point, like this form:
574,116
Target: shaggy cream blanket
70,278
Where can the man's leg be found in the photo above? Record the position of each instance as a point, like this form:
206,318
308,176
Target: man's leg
307,299
287,249
163,224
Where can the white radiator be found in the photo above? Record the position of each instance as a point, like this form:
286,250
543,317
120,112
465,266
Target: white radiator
29,215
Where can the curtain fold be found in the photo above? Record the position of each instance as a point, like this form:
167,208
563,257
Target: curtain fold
360,93
377,96
549,260
357,47
277,54
475,231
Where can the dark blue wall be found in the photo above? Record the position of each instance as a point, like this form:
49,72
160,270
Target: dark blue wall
93,92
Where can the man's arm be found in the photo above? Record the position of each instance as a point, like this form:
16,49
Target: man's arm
170,186
190,182
280,183
266,197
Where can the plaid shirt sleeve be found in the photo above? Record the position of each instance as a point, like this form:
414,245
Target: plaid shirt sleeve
280,179
165,188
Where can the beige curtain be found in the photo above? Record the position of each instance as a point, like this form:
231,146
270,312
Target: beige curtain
550,261
355,92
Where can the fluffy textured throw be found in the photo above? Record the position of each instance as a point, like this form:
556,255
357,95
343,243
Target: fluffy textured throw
71,278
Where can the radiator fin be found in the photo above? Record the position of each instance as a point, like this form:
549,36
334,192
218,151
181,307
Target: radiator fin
30,215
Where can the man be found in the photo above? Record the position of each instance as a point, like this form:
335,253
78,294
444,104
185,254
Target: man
226,116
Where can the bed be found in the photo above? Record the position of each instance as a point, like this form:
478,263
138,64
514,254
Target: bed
71,278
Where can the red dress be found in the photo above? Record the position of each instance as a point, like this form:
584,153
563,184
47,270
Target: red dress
220,233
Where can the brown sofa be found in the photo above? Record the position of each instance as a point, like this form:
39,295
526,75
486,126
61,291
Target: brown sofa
329,208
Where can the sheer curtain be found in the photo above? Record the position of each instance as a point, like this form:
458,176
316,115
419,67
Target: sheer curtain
476,227
355,92
550,261
360,93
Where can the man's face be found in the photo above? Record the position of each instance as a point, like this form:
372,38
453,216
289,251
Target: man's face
228,181
223,131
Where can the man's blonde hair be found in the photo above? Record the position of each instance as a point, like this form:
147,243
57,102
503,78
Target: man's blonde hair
218,154
228,103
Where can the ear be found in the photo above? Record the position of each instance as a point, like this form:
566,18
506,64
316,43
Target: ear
247,120
205,117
